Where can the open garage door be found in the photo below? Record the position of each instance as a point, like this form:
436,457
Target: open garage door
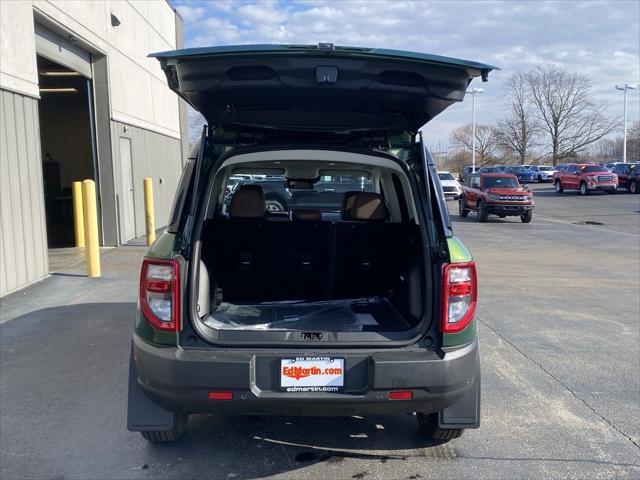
53,47
67,131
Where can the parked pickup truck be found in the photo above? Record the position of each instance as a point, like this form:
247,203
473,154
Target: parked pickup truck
627,175
586,178
496,194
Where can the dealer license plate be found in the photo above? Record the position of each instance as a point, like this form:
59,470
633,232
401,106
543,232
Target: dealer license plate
312,374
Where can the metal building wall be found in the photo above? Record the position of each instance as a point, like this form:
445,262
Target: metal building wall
153,155
23,233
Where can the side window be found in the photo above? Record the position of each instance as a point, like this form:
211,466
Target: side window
475,182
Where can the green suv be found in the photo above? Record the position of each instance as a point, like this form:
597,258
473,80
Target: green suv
363,301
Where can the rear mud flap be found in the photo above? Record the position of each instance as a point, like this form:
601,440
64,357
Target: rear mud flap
142,413
465,413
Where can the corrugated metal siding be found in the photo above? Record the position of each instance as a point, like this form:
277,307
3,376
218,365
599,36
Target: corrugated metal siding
153,155
23,235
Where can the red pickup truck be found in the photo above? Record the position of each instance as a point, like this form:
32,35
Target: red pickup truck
585,177
496,194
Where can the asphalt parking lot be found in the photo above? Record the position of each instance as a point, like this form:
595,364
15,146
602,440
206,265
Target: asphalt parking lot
560,346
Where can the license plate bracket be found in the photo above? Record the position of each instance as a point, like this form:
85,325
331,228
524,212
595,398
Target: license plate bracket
312,374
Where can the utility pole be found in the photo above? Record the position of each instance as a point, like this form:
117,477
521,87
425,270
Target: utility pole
473,92
626,87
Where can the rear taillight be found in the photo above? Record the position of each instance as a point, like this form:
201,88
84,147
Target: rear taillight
459,296
160,293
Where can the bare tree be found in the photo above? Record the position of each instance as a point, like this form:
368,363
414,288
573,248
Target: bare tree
566,112
518,132
633,142
487,145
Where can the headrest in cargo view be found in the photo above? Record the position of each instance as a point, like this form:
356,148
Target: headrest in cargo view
247,202
306,214
363,206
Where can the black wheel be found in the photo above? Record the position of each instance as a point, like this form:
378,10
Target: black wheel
167,436
274,205
462,211
558,186
583,189
539,178
502,216
483,213
633,187
527,216
428,424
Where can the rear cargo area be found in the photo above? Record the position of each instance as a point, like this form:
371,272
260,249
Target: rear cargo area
312,275
344,315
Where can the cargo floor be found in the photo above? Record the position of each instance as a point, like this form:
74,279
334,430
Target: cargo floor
344,315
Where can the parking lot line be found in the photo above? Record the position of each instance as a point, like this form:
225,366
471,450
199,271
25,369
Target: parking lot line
591,227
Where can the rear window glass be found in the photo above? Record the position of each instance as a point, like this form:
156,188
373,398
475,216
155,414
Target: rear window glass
545,169
326,194
518,169
445,176
499,182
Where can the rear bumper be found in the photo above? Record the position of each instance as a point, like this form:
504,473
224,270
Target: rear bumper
180,380
515,210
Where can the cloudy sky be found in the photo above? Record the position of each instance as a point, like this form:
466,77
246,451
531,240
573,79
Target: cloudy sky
600,39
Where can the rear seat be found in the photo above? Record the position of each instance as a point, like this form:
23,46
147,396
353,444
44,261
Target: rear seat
254,259
233,246
371,254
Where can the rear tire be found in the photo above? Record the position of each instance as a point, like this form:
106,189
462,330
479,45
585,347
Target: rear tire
583,189
428,424
633,187
558,186
168,436
483,213
462,211
527,216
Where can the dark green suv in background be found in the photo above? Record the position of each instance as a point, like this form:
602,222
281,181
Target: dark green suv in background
362,304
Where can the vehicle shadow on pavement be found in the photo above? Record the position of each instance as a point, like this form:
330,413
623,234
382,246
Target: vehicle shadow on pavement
64,397
455,218
260,446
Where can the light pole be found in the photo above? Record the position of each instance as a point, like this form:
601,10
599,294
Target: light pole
473,92
625,87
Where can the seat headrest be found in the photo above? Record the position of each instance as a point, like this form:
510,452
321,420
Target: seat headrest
347,203
364,206
306,214
247,202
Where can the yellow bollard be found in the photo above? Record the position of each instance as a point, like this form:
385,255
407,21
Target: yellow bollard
78,215
91,228
149,218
